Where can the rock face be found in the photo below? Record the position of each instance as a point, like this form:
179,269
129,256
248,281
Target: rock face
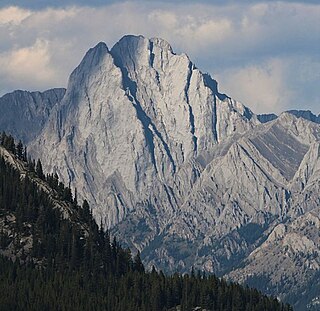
186,175
293,250
136,127
23,114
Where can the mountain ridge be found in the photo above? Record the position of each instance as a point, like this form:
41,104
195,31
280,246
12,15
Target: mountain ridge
154,135
24,113
184,174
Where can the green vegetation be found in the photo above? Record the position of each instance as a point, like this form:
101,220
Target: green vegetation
73,265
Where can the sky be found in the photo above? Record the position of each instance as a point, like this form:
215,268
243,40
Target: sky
265,54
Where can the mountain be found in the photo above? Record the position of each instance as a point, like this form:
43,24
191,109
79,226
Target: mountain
155,118
294,248
308,115
184,174
51,247
305,114
264,118
23,114
241,198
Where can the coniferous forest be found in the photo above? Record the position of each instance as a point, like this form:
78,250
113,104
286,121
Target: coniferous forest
55,257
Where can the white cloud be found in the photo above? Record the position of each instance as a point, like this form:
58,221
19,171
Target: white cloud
238,43
13,15
262,86
29,66
191,31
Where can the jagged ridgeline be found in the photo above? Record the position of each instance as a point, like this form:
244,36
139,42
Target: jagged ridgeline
54,256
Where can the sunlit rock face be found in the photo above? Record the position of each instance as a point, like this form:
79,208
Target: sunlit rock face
136,126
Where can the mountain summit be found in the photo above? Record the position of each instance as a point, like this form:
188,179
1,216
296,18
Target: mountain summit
184,174
134,123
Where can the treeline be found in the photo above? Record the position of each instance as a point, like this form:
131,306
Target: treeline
26,288
72,264
35,168
7,141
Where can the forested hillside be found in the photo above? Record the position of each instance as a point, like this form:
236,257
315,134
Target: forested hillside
55,257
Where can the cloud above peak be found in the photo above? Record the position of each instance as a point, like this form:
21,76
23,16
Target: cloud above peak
21,65
13,15
275,44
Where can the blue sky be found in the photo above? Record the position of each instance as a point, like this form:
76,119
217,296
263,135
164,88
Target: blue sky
264,54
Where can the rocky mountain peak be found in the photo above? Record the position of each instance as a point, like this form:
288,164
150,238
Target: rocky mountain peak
92,59
133,51
161,43
186,175
95,54
132,121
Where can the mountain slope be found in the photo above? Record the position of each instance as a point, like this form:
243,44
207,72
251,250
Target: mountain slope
51,247
23,114
239,199
294,248
244,184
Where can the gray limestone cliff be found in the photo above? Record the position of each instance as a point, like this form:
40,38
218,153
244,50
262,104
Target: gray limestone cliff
136,126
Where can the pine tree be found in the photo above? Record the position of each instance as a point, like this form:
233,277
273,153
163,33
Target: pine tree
137,263
20,151
39,170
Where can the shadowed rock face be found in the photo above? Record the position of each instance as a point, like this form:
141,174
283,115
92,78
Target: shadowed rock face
186,175
23,114
308,115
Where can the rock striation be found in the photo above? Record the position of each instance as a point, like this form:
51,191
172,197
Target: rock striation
136,122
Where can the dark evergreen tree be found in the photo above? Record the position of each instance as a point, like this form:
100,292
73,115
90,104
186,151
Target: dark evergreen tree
25,154
39,170
137,263
20,150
